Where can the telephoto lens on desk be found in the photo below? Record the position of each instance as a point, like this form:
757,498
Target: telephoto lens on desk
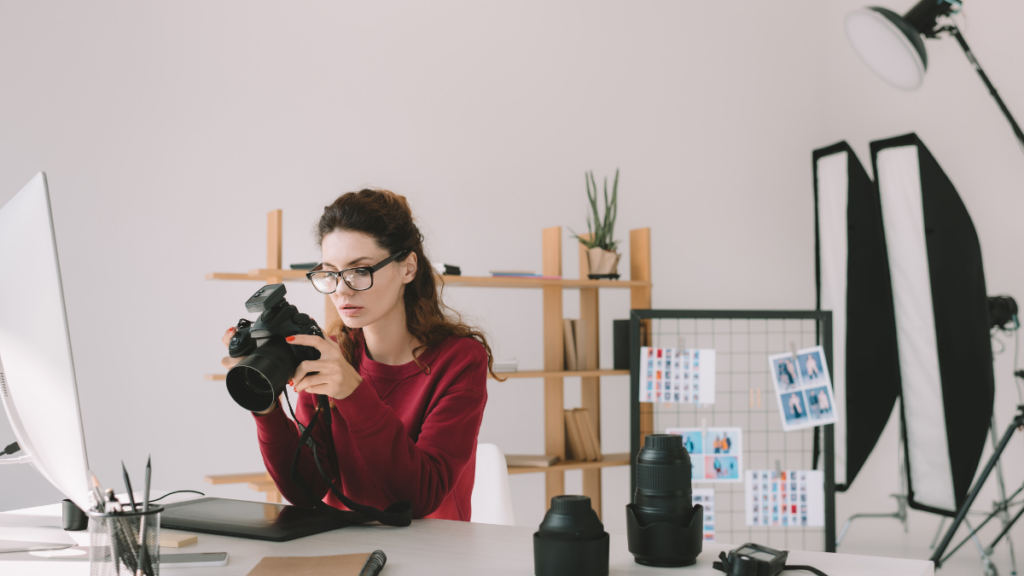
663,526
571,540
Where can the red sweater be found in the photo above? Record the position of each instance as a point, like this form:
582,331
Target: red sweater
401,435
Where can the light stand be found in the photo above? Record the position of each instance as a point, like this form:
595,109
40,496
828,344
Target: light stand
1001,509
892,47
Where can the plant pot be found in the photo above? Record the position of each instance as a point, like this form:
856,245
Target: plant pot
603,262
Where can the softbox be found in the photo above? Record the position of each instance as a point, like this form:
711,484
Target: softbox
942,329
853,282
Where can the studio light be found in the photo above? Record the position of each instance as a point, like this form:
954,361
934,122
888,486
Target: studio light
892,46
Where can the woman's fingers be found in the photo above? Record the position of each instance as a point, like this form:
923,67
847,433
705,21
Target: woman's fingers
311,383
306,367
229,362
313,342
226,338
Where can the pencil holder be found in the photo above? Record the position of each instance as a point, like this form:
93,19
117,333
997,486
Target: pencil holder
114,548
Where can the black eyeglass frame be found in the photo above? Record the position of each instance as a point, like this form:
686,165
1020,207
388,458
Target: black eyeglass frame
341,273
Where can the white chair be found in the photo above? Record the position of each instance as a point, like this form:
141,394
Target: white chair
492,499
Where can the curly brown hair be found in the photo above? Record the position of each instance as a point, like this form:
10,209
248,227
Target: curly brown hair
387,218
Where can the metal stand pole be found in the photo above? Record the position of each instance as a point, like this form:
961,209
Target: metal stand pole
955,32
1018,422
901,499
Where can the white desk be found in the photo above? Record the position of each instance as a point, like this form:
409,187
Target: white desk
427,548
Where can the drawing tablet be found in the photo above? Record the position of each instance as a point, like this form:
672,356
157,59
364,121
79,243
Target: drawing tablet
244,519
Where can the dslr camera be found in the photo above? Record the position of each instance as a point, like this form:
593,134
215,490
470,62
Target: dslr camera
269,361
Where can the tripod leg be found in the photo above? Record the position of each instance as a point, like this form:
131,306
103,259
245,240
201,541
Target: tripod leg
1005,503
938,532
1018,421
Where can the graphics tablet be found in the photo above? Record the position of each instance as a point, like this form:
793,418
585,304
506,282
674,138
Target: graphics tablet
243,519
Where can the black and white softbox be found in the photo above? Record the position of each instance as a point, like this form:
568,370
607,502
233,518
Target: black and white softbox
942,328
853,282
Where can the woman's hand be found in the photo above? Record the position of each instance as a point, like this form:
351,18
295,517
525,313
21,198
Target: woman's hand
331,375
227,361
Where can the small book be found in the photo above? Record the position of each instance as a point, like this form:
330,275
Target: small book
533,460
570,344
575,447
589,432
579,331
342,565
582,422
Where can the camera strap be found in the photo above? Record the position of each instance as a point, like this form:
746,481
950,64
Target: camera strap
397,514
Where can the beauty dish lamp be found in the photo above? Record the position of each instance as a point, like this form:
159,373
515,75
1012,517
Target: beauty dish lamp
892,46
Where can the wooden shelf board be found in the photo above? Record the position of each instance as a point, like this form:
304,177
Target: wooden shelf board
470,281
520,374
237,478
561,373
607,460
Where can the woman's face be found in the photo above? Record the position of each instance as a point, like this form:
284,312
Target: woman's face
347,249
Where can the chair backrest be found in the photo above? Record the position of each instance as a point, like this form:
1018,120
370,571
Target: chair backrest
492,499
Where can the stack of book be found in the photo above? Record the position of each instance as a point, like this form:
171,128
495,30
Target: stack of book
521,274
582,442
575,344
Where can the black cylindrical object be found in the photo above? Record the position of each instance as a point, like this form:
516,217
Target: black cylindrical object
72,517
620,344
663,526
259,378
571,540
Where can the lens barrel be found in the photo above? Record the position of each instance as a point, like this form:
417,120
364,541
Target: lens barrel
661,524
260,377
571,540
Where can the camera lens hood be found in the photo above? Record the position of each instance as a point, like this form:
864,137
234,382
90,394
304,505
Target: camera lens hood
259,378
665,544
571,540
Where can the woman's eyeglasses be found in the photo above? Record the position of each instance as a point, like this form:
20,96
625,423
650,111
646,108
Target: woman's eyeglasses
358,279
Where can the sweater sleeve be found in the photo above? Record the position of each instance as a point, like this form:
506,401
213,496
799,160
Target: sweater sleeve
279,435
424,471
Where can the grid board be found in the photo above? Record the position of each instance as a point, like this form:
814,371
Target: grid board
744,398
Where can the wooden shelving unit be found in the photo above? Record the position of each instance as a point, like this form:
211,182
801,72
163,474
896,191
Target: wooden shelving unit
552,372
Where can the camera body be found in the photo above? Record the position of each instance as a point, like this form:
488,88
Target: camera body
269,361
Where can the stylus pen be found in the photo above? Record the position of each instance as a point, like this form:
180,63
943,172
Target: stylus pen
128,486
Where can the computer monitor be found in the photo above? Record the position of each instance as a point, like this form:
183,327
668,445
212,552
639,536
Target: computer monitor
37,373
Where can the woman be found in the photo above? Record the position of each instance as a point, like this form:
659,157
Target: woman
406,383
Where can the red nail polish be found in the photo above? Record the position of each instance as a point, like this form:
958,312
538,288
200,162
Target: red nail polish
291,383
232,329
290,338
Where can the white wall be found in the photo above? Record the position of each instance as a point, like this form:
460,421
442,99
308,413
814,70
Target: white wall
168,130
960,123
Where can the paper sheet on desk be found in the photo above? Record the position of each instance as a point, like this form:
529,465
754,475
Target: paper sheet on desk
343,565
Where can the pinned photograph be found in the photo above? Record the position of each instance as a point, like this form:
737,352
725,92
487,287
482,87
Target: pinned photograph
819,403
803,388
784,511
785,374
706,498
722,468
715,453
811,364
794,410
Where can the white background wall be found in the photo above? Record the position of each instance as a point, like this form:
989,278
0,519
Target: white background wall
168,131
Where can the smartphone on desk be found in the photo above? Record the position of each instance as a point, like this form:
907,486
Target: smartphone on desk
194,560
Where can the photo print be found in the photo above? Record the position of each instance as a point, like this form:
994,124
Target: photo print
803,388
706,498
716,454
786,498
677,376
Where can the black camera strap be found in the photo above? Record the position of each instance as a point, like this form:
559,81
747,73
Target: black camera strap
397,514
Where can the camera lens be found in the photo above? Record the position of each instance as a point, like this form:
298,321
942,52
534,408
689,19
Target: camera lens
571,540
663,489
259,378
662,524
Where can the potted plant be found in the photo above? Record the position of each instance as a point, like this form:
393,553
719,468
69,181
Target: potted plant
600,242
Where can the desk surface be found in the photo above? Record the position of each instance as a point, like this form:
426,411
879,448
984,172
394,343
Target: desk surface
428,547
